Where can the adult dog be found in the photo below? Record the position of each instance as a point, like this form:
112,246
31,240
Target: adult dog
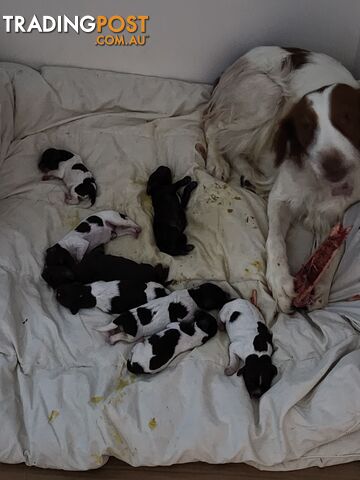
289,120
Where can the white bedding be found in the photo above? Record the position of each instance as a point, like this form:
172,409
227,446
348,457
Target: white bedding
67,401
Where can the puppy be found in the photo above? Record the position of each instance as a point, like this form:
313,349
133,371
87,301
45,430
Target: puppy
156,352
96,266
155,315
111,297
251,343
169,220
69,168
90,233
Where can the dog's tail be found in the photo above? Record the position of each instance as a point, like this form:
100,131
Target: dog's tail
162,273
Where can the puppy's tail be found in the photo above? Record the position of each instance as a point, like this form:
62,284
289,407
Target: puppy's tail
162,273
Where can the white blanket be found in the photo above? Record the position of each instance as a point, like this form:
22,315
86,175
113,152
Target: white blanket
67,401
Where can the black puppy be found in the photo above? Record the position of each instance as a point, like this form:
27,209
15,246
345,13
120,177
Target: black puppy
96,266
169,211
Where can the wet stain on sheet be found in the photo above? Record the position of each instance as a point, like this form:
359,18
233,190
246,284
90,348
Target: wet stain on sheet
152,423
96,399
53,415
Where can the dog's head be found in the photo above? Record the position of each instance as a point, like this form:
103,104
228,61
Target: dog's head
160,178
57,275
322,132
209,296
258,373
75,296
51,158
59,256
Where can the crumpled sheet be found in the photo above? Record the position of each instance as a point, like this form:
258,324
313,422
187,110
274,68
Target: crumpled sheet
67,400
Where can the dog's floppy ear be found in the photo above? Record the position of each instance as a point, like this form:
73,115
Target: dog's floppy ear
284,135
295,133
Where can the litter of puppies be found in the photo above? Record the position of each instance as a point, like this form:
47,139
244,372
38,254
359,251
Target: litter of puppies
160,323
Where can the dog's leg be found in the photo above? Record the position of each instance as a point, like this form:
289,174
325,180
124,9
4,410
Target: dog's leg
280,282
215,162
234,363
185,197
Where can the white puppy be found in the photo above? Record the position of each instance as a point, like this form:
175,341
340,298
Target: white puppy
250,344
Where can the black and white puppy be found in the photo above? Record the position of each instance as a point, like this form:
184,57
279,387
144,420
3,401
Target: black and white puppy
250,344
69,168
96,266
169,220
93,231
152,317
110,297
156,352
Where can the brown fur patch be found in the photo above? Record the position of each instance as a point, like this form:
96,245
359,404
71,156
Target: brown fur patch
333,166
295,133
298,58
345,112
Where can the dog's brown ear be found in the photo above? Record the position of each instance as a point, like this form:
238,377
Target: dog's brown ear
285,137
295,133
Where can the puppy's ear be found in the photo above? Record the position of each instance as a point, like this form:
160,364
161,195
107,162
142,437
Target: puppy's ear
74,309
274,370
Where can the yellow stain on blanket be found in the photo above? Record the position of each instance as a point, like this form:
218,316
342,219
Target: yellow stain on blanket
258,265
97,458
95,400
116,436
72,219
125,382
152,423
53,414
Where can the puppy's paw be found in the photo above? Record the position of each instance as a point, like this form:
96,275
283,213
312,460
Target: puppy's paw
218,167
281,284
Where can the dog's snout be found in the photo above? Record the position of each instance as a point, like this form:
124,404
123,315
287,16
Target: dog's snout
334,167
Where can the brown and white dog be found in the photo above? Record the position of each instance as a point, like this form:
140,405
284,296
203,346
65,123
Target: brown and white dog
289,120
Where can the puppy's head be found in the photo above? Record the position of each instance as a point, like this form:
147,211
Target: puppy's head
207,323
57,275
321,133
209,296
58,256
258,373
51,158
160,178
75,296
126,226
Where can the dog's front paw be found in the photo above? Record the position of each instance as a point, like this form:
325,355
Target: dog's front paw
281,284
218,167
